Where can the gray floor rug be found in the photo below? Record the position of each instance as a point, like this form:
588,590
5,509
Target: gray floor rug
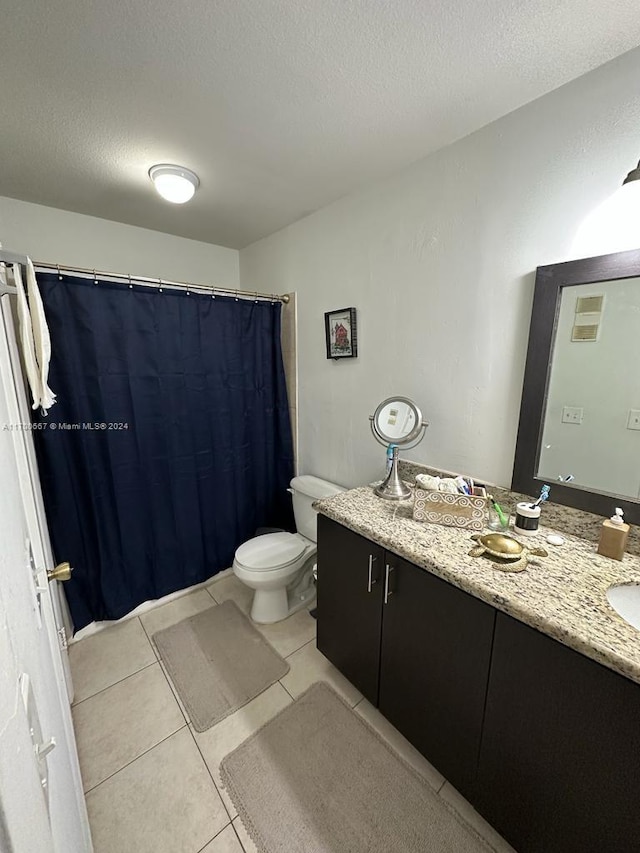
218,661
317,778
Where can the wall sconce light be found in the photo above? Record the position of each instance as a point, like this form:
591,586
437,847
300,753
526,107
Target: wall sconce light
634,175
614,226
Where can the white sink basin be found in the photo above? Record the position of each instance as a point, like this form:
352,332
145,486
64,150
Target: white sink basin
625,600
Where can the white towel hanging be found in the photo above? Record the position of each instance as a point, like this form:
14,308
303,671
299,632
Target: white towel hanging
34,338
41,338
26,338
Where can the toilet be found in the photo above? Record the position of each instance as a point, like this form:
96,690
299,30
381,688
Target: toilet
279,566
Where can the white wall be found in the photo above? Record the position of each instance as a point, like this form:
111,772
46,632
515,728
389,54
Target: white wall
601,377
58,236
440,263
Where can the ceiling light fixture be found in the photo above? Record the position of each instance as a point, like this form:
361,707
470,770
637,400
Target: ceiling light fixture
174,183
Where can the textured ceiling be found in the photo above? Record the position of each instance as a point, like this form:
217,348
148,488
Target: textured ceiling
280,106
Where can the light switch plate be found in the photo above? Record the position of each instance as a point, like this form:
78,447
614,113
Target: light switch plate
572,415
633,421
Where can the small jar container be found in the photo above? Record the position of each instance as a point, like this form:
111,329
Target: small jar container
527,519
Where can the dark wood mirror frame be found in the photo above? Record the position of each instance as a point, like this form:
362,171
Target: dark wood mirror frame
544,317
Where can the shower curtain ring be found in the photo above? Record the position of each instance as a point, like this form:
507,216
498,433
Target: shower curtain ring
95,277
256,299
59,273
159,285
237,295
130,285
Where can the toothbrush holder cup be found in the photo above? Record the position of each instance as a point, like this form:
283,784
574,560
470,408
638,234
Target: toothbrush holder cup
527,519
496,521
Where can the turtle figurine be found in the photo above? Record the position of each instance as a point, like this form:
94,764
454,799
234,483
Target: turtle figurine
507,552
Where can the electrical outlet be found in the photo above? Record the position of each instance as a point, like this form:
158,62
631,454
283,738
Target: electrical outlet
633,421
573,415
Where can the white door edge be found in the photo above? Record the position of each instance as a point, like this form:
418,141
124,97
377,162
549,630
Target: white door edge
64,627
40,545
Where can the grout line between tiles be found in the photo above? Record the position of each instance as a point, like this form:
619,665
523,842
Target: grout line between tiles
312,640
151,643
226,826
119,681
213,778
176,696
286,691
233,824
149,635
115,773
212,595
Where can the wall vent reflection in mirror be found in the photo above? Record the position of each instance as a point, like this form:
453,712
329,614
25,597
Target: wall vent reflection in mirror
589,304
588,314
585,333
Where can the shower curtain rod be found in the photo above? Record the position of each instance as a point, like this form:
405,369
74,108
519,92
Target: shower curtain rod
161,282
14,258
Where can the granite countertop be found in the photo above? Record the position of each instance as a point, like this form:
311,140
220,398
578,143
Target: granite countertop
562,595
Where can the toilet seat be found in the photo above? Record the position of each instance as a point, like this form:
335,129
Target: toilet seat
271,551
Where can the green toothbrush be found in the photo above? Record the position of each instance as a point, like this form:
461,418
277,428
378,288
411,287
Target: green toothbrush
503,518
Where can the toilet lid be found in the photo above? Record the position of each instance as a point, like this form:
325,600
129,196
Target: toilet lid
271,551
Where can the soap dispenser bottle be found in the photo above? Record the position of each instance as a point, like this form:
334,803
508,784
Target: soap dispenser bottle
613,536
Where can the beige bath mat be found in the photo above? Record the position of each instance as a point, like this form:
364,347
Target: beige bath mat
317,778
218,661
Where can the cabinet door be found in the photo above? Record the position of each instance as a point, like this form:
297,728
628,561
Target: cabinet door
436,648
350,570
560,759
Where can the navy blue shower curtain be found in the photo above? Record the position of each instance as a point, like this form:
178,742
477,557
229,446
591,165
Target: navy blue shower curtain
170,443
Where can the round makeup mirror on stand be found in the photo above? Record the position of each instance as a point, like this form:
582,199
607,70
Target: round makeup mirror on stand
396,423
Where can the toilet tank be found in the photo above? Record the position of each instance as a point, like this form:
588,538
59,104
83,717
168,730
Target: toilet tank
305,490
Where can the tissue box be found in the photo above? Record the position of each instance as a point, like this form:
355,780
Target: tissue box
465,511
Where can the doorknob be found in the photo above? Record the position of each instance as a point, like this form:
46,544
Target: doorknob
62,572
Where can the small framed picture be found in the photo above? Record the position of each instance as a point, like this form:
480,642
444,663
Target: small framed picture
341,334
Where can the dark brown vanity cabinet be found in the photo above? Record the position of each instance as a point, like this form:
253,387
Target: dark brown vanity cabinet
414,645
559,767
350,585
542,740
434,668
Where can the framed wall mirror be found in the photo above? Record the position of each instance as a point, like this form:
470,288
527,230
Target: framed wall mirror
579,425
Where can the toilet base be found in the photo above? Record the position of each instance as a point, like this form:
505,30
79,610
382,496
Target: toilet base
274,605
269,605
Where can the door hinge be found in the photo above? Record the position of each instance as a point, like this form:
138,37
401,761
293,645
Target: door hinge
62,639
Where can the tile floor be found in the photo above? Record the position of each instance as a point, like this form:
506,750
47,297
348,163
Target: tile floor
151,781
